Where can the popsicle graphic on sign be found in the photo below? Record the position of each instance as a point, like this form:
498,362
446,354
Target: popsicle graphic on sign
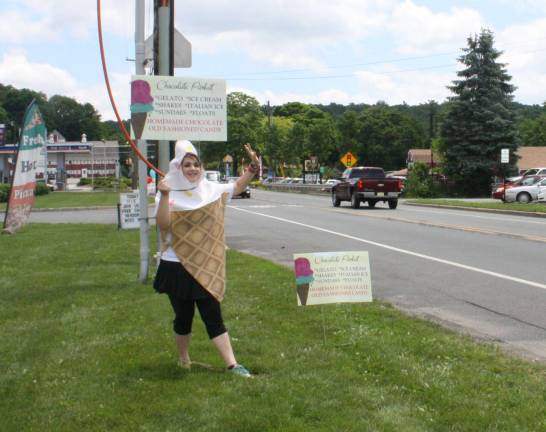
304,277
141,105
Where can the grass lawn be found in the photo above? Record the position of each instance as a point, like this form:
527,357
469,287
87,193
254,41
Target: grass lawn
531,207
76,199
86,347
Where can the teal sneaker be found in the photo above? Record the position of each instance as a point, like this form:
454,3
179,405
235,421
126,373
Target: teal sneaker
240,370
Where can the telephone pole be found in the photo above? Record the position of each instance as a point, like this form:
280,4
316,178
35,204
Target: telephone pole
163,60
140,58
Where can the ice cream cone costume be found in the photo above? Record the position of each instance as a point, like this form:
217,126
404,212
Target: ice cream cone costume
196,236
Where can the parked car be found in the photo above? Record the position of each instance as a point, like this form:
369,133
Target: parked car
366,184
296,180
498,190
524,194
271,180
529,172
329,184
213,176
541,197
243,194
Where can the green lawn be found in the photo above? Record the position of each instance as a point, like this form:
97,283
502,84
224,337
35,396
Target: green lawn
86,347
499,205
76,199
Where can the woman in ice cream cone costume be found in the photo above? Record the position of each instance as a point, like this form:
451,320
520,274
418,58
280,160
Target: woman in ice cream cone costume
190,216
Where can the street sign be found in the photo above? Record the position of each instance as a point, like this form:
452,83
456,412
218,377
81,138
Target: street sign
348,159
505,155
182,50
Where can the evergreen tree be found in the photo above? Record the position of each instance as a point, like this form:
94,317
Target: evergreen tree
481,120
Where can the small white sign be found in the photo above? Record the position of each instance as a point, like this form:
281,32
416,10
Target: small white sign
129,210
505,155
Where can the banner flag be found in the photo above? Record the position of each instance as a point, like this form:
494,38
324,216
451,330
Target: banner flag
31,147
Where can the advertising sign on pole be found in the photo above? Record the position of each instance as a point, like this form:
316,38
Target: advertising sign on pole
172,108
129,210
333,277
2,133
30,151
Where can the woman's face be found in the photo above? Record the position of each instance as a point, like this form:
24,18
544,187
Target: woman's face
191,168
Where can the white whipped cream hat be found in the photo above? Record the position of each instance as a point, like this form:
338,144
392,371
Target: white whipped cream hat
184,194
175,179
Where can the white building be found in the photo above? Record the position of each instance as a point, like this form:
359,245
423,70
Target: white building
68,159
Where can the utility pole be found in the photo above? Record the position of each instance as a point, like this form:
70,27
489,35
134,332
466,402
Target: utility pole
163,60
140,58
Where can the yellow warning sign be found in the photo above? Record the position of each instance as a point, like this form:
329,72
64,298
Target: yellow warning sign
348,159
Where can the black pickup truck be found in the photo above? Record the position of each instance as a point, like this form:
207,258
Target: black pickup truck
359,184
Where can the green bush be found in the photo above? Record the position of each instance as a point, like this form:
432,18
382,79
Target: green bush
5,189
420,184
41,188
4,192
84,182
123,183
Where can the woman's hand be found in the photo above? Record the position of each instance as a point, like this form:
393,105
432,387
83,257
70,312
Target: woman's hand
250,172
252,155
163,187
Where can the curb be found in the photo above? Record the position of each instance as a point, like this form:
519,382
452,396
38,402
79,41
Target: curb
58,209
482,210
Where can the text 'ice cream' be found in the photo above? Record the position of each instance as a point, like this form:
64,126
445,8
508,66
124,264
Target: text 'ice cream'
304,276
141,105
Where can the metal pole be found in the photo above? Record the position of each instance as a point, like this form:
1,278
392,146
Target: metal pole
163,66
143,148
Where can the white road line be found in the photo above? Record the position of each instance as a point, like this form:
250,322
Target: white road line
489,216
404,251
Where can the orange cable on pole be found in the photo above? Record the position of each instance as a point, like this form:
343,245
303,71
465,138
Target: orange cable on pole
107,81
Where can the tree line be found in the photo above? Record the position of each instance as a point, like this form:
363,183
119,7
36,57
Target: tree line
468,129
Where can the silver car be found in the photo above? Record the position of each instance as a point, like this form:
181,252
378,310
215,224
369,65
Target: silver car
525,194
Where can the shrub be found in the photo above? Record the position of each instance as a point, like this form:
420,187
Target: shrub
84,182
4,192
41,188
420,183
123,183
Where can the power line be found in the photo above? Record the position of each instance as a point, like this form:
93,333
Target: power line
353,75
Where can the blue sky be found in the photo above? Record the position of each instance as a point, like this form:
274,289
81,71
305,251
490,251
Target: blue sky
316,51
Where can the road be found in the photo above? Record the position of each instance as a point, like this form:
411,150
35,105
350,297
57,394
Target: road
483,274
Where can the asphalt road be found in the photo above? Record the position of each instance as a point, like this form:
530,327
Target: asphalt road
483,274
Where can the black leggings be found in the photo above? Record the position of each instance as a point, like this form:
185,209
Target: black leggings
209,309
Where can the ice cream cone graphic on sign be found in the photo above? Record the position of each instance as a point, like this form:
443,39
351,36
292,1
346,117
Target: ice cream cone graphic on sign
304,276
141,105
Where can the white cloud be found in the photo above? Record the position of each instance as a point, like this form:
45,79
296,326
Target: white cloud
35,30
55,19
18,71
418,30
412,87
524,55
284,33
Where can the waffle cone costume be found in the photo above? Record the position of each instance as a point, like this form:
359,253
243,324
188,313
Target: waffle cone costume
197,224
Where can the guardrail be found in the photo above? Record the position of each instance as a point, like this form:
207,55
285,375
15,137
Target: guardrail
315,189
